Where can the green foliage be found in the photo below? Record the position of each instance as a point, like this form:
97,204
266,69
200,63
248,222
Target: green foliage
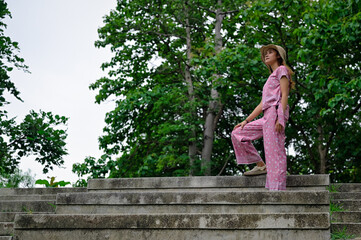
336,207
330,89
17,179
333,188
53,205
341,235
100,169
35,135
25,209
52,183
8,60
149,131
81,183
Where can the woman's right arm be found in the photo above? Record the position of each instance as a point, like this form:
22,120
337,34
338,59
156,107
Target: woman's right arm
257,111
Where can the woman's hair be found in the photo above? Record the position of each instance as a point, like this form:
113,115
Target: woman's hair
290,72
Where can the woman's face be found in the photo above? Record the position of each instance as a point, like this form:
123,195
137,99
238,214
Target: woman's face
271,56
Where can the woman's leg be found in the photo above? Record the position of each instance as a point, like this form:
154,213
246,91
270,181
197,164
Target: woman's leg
243,148
274,146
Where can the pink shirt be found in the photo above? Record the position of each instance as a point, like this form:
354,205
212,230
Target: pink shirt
271,94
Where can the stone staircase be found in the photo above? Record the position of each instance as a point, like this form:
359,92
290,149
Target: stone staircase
194,208
26,201
348,197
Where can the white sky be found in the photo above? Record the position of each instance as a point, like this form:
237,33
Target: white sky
56,39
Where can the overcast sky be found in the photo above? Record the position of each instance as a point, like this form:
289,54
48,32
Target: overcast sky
56,39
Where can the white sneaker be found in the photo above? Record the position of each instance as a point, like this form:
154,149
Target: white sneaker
256,171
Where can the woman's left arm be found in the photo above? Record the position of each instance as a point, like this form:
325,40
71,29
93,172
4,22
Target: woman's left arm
284,100
284,89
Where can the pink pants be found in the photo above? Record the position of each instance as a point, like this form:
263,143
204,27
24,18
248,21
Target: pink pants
274,146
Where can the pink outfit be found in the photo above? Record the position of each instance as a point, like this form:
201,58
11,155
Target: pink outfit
274,142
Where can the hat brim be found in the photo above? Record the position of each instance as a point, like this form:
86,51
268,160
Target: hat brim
264,50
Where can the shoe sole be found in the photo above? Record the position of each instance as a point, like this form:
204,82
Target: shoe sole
255,173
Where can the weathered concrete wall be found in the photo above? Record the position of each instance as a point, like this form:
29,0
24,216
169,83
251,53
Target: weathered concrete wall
131,234
186,208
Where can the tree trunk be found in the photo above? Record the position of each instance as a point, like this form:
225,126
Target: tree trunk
192,148
322,150
214,104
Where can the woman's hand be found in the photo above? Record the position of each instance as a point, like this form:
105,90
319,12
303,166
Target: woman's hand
242,124
278,127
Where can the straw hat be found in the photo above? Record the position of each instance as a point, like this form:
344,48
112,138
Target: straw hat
280,50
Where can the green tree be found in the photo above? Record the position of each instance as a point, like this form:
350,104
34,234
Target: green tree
330,59
17,179
175,117
159,109
39,134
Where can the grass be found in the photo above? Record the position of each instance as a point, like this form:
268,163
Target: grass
333,188
24,209
341,235
337,207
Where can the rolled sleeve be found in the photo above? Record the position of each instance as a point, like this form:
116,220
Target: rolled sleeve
282,71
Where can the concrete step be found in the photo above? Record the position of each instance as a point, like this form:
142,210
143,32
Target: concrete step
38,191
193,202
346,217
185,197
6,228
351,228
28,197
175,221
346,195
347,187
28,206
350,205
208,182
173,226
172,234
6,237
10,216
189,208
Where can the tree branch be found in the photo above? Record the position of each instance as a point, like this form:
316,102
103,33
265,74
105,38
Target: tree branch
225,164
228,12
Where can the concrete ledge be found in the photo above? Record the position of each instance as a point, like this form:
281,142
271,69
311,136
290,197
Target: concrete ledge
183,197
6,228
346,195
347,217
223,189
189,208
203,182
27,197
351,205
347,187
131,234
38,191
10,216
28,206
6,237
175,221
7,216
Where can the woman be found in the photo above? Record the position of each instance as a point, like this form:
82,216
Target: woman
271,126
